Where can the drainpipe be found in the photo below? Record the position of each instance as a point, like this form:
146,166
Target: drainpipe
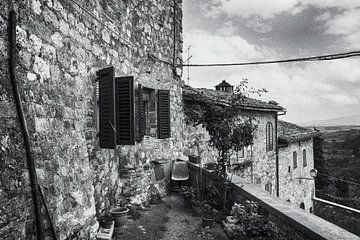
277,155
174,37
22,121
277,152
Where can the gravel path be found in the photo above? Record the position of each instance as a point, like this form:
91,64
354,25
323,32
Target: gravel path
168,221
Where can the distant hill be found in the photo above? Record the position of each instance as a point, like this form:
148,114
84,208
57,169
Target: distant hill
340,121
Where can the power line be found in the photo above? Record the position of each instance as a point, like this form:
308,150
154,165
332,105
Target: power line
304,59
355,183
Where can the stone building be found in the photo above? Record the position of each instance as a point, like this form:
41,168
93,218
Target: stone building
259,160
296,159
71,60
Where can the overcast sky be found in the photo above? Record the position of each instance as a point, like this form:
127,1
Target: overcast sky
248,30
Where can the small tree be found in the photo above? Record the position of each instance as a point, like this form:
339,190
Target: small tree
228,132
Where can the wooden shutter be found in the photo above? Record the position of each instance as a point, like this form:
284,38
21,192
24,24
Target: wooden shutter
141,114
125,111
164,128
107,116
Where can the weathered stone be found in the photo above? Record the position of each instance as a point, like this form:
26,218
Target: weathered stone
61,49
42,68
56,38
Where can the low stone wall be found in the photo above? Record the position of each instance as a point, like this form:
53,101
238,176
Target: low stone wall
293,222
340,215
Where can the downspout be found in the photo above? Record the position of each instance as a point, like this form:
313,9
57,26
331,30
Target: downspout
23,126
277,152
174,43
277,156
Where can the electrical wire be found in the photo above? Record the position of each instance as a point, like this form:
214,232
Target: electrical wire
304,59
354,183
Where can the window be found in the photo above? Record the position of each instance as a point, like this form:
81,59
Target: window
249,151
117,110
289,169
302,206
268,187
294,160
241,153
269,137
304,158
149,112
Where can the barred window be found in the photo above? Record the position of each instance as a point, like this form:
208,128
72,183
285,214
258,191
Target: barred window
294,160
269,137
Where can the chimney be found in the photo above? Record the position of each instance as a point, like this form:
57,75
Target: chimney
224,86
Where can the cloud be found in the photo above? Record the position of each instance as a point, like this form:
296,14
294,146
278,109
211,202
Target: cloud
346,24
207,48
268,9
257,24
309,91
300,87
247,8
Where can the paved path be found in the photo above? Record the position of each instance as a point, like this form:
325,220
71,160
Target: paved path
168,221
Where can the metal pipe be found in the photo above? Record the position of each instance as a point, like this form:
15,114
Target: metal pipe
174,45
277,156
23,126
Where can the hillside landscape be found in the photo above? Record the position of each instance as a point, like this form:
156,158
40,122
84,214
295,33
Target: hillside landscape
353,120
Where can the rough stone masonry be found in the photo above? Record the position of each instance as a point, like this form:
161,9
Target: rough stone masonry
60,47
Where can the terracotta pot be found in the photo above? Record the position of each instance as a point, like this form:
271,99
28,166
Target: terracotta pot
194,159
120,215
187,202
207,222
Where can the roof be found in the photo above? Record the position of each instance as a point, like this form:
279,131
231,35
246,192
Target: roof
222,98
289,132
224,84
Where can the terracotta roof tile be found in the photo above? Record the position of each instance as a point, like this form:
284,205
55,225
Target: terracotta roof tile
290,132
222,98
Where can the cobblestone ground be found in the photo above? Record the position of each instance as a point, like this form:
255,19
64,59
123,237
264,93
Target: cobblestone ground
168,221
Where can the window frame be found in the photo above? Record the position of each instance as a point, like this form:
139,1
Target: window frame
304,158
269,136
295,165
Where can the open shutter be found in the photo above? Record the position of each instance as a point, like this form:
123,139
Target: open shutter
107,116
141,114
125,111
164,129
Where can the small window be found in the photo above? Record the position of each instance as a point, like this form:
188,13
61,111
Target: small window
240,153
304,158
294,160
302,206
269,137
268,187
154,113
149,108
289,169
249,151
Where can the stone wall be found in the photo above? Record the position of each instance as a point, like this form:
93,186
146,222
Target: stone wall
60,47
291,187
264,163
340,215
293,223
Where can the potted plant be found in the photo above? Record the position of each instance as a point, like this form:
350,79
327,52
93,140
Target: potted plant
194,159
208,216
237,211
106,221
189,193
119,215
